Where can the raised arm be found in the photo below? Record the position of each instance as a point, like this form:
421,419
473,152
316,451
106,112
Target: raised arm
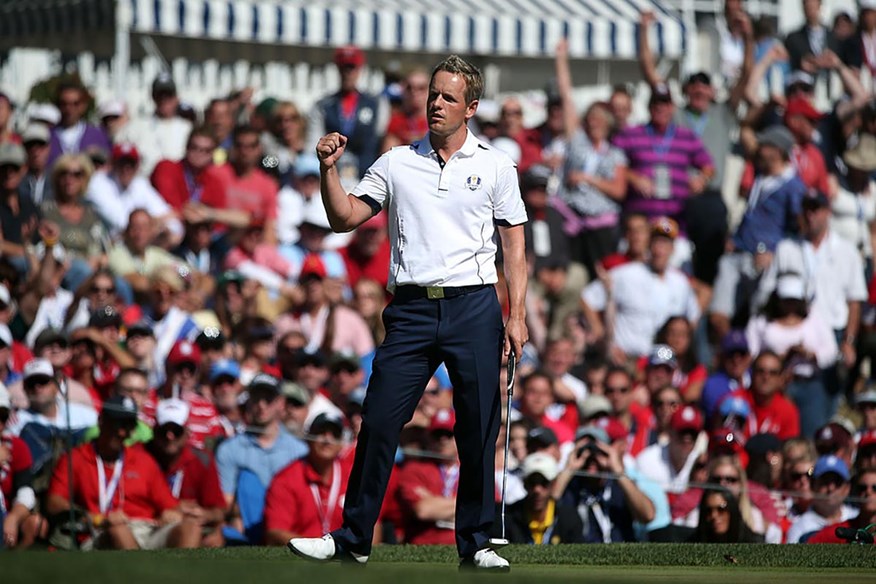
738,91
564,86
345,212
646,55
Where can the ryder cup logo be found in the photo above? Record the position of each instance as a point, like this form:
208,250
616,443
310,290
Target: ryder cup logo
473,182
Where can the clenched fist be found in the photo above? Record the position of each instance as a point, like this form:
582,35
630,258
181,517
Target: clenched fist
329,148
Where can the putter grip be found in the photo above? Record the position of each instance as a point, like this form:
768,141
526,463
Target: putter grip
512,367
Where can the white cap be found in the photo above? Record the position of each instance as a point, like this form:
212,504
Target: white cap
509,147
5,335
5,402
867,4
172,411
541,463
5,296
45,112
488,111
791,286
316,215
36,367
111,107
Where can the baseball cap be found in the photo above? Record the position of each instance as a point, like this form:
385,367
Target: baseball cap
111,108
735,341
5,335
125,151
594,405
344,362
316,358
163,83
867,439
184,352
105,316
760,444
44,112
727,441
488,112
35,133
172,411
592,431
5,400
541,437
536,176
734,406
120,409
266,106
686,418
664,227
349,55
799,77
295,392
48,337
266,382
141,327
800,106
313,267
210,338
315,216
12,154
442,421
698,77
224,368
790,286
326,422
866,397
306,165
832,437
833,464
662,355
660,93
540,463
777,136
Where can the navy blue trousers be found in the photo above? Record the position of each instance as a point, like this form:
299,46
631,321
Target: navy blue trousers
466,333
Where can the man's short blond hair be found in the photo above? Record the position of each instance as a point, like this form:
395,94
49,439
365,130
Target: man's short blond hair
474,81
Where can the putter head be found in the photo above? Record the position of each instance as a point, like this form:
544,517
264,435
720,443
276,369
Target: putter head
498,542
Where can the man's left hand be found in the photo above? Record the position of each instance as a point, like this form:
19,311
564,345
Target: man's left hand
516,335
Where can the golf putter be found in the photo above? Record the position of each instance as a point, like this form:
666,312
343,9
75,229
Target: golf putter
497,542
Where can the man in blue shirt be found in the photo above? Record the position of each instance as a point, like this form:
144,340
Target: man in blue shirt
774,203
733,373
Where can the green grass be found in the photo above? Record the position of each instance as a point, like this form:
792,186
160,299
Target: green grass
678,564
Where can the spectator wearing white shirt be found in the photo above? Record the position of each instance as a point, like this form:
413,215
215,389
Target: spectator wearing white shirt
115,194
630,306
163,135
669,465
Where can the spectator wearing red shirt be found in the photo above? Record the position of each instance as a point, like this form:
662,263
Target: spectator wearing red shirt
367,255
182,382
191,474
428,487
13,355
771,412
537,397
121,488
801,118
864,488
242,184
409,123
529,139
17,497
634,416
182,182
306,499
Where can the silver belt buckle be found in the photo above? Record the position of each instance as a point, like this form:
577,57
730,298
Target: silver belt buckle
434,292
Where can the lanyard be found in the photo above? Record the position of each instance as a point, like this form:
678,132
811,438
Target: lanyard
662,147
106,491
192,185
176,480
327,512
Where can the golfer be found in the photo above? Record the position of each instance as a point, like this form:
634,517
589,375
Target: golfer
444,196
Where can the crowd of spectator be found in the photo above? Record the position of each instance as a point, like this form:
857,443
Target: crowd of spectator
185,344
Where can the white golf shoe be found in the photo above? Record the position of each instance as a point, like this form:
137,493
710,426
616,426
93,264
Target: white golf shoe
322,549
486,559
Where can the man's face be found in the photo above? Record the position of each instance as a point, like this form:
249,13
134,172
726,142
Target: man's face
638,235
5,112
443,444
225,390
681,444
868,414
865,489
816,221
326,446
41,391
312,376
621,108
219,118
537,396
661,252
832,490
135,387
447,110
57,353
116,432
170,438
538,490
661,113
618,391
812,10
511,117
559,358
349,76
163,297
247,151
657,377
185,375
736,363
264,407
166,103
307,185
125,170
72,104
369,240
199,152
37,155
416,92
798,479
138,234
700,96
767,376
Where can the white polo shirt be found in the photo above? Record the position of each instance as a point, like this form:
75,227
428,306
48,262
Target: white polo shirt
643,302
442,220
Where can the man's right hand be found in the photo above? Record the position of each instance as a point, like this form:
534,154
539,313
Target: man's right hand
330,148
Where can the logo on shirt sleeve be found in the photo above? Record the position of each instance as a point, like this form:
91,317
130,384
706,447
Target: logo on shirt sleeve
473,182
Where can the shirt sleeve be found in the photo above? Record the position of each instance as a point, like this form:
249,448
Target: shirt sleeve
410,480
594,295
227,469
280,503
59,486
375,184
159,489
211,496
507,200
700,157
856,288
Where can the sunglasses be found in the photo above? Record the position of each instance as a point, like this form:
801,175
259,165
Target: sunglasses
730,480
861,488
4,415
69,102
171,428
105,290
201,149
722,508
293,118
767,372
796,476
189,368
670,403
619,389
74,173
512,113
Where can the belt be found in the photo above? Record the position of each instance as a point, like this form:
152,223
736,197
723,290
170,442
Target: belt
437,292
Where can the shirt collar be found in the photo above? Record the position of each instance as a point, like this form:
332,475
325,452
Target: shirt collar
469,147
